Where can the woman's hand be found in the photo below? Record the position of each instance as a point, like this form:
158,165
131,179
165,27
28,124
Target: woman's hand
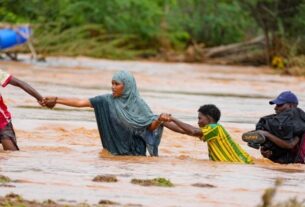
164,117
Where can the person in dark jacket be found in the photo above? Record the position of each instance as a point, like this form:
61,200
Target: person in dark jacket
280,136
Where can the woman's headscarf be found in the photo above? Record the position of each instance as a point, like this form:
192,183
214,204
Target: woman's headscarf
130,107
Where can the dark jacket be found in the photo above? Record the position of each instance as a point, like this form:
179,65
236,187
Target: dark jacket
285,125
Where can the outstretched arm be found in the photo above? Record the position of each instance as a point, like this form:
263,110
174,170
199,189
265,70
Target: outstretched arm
74,102
26,87
188,129
280,142
174,127
165,119
156,123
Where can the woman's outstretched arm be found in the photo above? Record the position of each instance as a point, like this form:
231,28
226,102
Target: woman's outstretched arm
74,102
156,123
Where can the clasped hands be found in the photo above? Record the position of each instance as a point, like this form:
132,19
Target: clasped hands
164,117
49,101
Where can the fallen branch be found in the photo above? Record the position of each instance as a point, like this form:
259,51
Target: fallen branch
237,48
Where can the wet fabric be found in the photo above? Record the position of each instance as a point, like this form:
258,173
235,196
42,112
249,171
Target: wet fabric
285,125
119,139
4,78
300,151
5,116
222,147
8,133
130,107
123,121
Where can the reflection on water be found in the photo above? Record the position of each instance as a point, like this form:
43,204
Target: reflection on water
61,151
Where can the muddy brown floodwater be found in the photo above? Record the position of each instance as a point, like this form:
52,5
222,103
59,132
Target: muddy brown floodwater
61,152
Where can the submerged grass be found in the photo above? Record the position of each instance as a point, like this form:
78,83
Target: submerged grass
15,200
268,196
163,182
107,202
105,178
4,179
203,185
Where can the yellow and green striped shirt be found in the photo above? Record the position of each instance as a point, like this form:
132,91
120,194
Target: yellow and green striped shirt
222,147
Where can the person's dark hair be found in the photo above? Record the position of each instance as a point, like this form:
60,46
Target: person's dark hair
210,110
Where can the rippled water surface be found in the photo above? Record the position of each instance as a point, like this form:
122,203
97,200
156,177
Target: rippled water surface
61,151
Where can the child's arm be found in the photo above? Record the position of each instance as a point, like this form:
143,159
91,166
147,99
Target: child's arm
26,87
74,102
165,120
174,127
188,129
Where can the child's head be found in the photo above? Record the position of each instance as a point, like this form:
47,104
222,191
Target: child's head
208,114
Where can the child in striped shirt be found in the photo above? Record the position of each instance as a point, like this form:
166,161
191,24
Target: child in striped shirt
220,144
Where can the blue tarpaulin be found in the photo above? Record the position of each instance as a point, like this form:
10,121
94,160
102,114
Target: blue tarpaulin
11,37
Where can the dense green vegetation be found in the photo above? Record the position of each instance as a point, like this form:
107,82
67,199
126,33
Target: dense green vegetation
128,29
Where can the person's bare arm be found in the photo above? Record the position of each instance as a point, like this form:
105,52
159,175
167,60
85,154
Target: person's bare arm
26,87
174,127
280,142
165,119
156,123
188,129
74,102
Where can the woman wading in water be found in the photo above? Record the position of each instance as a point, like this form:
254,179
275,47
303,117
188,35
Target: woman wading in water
125,122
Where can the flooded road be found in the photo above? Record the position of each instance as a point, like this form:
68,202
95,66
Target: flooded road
61,151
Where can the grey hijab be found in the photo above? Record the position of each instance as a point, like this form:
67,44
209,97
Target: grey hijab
131,109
